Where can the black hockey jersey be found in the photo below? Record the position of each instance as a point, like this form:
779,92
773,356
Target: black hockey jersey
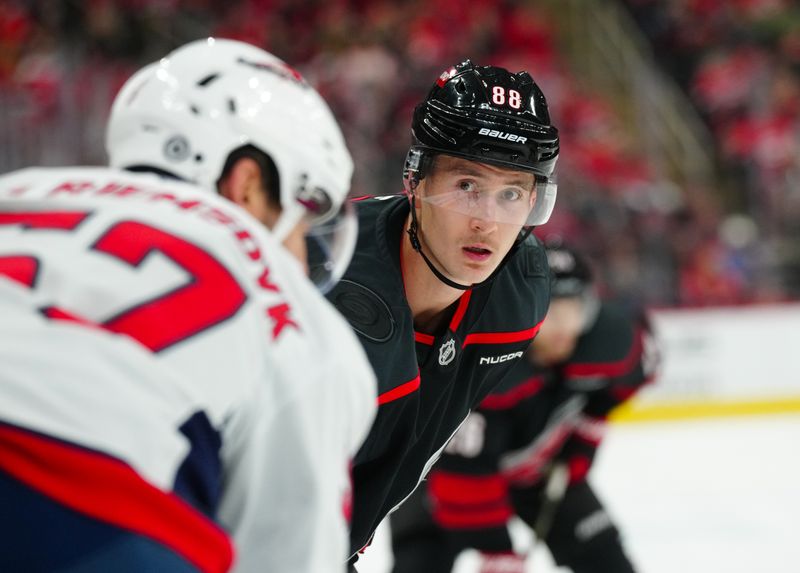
535,416
427,384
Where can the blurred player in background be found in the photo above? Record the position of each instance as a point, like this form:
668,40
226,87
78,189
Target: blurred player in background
447,287
175,394
527,449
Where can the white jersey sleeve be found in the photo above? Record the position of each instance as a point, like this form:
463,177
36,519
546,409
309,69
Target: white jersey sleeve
193,291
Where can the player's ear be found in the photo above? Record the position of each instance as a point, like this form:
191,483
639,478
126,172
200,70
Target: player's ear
243,175
243,185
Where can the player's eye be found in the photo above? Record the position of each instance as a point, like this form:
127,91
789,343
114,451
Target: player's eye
467,186
510,195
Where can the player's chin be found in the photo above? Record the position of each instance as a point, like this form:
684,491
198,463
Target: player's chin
472,273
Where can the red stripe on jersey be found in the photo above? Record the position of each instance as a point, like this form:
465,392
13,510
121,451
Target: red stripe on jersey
579,467
56,313
617,368
590,429
622,393
462,489
22,269
528,469
463,303
347,498
465,501
509,399
473,519
67,220
501,337
403,390
110,491
424,338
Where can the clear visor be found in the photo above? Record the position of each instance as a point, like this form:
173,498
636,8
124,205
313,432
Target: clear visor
330,243
513,205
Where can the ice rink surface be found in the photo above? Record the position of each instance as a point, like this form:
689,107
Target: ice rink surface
693,496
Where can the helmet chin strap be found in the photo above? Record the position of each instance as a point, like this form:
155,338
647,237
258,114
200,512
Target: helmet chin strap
417,246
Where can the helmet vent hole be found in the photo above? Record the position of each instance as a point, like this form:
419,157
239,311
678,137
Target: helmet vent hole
232,105
198,157
207,80
194,109
460,87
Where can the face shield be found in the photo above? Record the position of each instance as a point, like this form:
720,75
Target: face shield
330,242
516,204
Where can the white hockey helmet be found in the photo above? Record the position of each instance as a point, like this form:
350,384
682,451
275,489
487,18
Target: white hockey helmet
187,112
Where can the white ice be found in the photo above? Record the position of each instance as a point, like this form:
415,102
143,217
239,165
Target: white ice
700,496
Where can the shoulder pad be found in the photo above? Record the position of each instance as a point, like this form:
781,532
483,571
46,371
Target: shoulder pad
533,258
364,309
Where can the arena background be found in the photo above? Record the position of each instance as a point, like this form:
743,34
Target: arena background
679,118
679,176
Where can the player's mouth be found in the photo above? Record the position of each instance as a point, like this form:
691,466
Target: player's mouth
477,253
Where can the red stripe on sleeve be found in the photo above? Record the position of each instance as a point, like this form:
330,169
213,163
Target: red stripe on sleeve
579,468
622,393
469,501
402,390
473,489
514,396
501,337
480,519
110,491
617,368
590,429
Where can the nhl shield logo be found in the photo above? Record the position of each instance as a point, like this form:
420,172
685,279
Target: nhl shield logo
447,352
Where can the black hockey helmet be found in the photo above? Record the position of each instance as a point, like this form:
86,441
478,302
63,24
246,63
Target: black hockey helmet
490,115
571,277
571,273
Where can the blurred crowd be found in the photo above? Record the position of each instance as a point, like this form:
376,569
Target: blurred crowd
739,60
652,241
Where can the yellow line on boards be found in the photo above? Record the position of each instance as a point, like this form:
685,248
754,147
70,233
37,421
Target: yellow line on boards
633,412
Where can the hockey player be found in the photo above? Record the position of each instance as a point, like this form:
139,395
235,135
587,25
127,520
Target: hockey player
527,449
447,287
175,394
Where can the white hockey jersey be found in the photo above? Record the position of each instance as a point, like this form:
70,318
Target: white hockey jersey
160,326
